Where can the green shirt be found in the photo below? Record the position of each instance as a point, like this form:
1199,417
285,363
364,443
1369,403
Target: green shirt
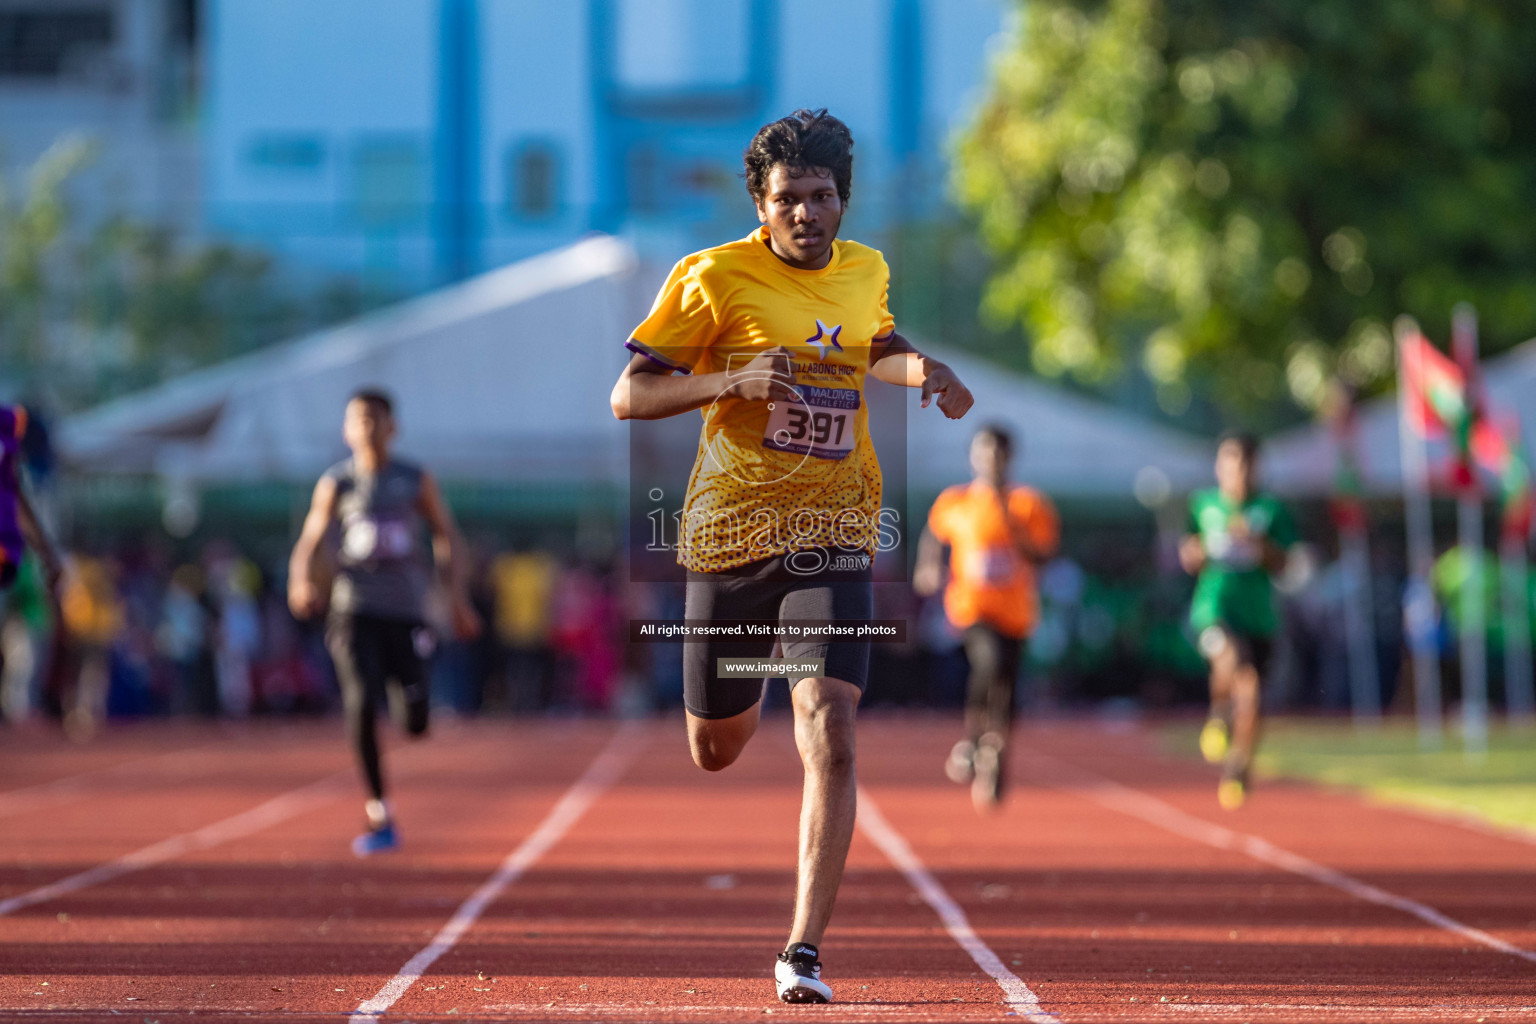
1234,588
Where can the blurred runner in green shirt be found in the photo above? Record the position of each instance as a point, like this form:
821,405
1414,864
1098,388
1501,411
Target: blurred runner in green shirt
1237,539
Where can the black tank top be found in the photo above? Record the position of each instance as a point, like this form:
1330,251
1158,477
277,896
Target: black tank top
382,567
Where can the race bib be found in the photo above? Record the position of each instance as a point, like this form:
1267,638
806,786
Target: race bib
368,538
992,567
821,423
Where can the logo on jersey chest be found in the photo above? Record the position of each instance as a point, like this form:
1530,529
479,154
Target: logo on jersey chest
825,338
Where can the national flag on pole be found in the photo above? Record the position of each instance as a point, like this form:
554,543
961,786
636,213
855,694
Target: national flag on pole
1497,447
1436,389
1438,403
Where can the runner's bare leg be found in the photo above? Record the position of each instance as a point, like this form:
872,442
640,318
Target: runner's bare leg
716,743
1245,712
824,720
1224,666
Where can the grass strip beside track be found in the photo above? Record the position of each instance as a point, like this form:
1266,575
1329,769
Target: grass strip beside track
1385,762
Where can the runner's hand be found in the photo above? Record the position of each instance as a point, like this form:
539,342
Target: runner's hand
954,397
1192,555
927,580
304,598
466,621
766,378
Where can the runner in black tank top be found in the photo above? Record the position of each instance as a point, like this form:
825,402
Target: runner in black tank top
375,632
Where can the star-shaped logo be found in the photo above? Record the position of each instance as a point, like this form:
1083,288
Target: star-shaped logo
825,337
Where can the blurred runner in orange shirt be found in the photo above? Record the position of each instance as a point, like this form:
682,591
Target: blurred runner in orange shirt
996,532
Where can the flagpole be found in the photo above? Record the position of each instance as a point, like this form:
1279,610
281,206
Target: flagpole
1514,577
1418,598
1355,563
1469,538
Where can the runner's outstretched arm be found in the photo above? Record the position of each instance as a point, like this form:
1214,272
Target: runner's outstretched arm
448,552
648,390
894,360
304,597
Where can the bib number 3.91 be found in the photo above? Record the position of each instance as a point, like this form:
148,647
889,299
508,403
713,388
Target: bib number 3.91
821,423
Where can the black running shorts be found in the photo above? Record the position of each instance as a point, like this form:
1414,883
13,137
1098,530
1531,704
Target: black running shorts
1252,649
772,589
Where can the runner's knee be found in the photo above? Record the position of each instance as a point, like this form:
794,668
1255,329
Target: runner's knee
716,743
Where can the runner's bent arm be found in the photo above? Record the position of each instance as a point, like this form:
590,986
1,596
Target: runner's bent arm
449,555
894,360
1274,557
1024,540
304,597
648,390
928,574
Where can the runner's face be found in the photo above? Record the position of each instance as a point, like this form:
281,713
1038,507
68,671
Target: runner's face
802,214
366,426
1234,471
988,461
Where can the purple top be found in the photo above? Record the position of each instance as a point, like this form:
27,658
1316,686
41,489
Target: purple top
13,427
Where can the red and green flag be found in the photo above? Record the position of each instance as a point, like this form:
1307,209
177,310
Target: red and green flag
1497,447
1438,403
1436,389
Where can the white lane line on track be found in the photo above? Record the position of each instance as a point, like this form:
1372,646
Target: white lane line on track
1016,995
262,816
1150,809
603,772
75,787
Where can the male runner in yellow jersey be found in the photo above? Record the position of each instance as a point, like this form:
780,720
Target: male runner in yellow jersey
771,337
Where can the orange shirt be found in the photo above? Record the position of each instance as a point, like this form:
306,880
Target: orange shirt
990,581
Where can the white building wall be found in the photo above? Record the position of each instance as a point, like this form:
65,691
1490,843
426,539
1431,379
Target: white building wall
537,91
343,75
123,99
319,131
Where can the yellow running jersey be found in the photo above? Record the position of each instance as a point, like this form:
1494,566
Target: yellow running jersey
776,477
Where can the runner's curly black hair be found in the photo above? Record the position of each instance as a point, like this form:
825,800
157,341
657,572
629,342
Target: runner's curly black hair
804,141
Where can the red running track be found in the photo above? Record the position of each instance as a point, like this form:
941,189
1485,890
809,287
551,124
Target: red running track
202,873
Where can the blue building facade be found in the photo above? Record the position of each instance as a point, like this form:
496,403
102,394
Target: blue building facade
412,142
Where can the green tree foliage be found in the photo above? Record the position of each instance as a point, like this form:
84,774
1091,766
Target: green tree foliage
92,311
1241,196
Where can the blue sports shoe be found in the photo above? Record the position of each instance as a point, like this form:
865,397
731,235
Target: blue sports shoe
379,840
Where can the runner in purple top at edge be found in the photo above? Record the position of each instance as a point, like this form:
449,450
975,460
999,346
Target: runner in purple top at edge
19,525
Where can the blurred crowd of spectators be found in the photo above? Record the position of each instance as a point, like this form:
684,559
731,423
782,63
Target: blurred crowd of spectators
145,633
148,633
209,634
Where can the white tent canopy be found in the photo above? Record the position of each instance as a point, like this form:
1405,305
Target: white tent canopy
506,377
502,377
1303,460
1070,445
